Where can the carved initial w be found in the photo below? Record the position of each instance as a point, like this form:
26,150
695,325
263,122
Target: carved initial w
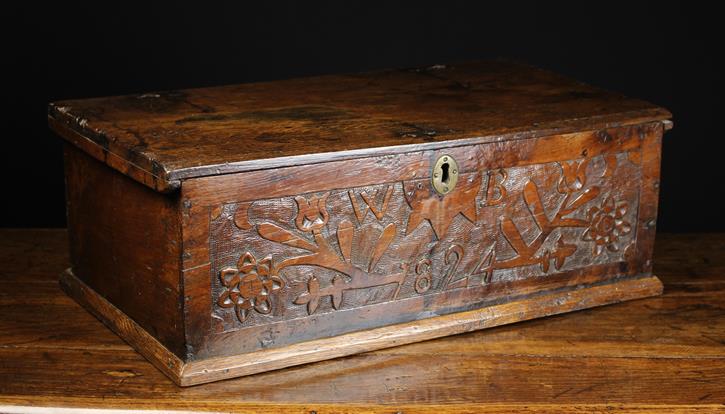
362,212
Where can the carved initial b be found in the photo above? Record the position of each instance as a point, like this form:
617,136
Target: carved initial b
495,187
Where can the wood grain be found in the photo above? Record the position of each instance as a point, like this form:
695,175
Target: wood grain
663,354
162,137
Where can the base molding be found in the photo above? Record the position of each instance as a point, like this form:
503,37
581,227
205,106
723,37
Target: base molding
187,373
125,327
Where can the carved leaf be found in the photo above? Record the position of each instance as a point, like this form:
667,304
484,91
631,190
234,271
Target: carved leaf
247,263
314,288
337,300
345,233
531,196
383,242
339,285
610,161
588,195
264,267
241,313
581,173
563,250
241,216
311,297
545,258
514,237
277,234
360,213
263,306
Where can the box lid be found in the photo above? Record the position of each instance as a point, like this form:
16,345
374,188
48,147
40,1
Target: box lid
162,138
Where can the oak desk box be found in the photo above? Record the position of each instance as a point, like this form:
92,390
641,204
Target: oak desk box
233,230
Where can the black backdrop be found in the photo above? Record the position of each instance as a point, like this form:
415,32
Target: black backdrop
664,52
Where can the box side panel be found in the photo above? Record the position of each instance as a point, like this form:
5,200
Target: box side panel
277,257
125,245
650,160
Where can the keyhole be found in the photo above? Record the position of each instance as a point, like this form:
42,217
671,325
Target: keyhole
444,174
445,177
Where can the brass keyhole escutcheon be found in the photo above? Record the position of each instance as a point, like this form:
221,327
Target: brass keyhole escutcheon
444,174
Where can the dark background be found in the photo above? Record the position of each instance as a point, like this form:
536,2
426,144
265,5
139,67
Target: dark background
664,52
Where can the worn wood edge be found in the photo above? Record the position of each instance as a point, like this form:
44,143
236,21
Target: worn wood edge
145,344
86,406
104,154
607,122
75,131
535,306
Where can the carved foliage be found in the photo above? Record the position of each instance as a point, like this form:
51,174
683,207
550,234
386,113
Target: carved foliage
312,216
572,180
329,248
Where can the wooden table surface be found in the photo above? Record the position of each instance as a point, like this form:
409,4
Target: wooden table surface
649,355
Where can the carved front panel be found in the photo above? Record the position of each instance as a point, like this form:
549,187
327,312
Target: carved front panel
322,252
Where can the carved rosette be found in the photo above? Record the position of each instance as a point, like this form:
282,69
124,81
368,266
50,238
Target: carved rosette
249,286
607,225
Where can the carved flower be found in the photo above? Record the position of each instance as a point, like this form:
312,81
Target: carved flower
573,175
312,214
607,225
249,286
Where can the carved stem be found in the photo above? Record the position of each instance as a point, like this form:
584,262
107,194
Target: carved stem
328,258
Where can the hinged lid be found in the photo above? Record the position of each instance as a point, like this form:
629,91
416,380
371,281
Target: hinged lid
162,138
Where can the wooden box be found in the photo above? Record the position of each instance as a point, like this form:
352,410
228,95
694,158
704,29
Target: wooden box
232,230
